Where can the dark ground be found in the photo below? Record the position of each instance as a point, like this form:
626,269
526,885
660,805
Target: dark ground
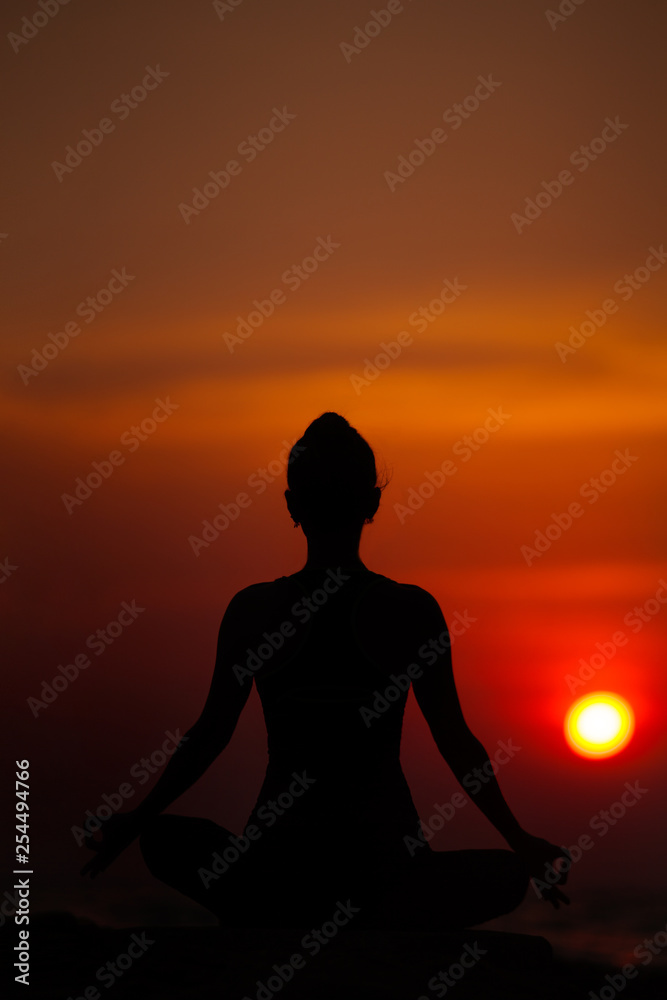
206,962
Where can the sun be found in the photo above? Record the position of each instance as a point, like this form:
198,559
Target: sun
599,725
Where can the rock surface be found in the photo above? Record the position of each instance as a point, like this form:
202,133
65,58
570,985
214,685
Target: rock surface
71,956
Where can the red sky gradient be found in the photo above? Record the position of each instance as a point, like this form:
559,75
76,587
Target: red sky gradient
492,349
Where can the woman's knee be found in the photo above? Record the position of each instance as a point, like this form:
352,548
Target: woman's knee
153,840
518,878
168,840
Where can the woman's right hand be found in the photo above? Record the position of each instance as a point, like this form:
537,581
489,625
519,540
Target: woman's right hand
118,832
542,860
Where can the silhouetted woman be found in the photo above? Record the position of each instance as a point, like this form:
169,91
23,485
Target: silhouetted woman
334,819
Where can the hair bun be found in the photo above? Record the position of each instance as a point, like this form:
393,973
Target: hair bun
331,471
328,424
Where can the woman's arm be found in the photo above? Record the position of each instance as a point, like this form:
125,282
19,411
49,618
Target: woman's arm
200,746
438,700
214,728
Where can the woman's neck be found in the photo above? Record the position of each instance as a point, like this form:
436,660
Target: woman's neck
334,550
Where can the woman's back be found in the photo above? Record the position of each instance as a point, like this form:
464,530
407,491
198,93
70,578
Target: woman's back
332,709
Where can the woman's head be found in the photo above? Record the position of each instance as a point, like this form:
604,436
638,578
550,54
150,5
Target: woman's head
332,477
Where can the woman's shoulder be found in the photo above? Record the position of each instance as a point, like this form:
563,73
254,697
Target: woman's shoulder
410,593
387,600
395,619
257,591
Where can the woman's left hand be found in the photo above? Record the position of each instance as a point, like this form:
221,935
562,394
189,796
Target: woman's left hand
545,864
118,832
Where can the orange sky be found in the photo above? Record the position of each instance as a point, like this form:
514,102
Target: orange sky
384,255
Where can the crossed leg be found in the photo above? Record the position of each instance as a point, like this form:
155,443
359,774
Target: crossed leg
446,890
439,890
260,887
